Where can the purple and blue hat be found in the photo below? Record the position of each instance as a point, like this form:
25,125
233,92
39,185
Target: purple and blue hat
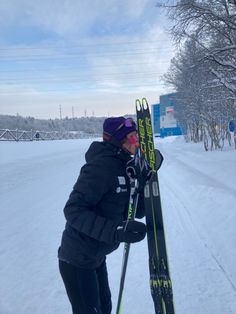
118,128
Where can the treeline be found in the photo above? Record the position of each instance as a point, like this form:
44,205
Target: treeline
89,125
203,72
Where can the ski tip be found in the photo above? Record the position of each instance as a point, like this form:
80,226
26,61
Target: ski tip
138,104
145,103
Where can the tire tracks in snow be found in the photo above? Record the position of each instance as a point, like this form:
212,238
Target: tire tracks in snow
200,175
173,191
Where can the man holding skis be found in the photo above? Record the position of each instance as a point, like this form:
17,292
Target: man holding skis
96,214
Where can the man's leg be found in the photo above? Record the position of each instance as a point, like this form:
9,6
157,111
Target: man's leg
82,288
104,290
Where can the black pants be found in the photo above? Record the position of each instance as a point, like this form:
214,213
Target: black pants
87,289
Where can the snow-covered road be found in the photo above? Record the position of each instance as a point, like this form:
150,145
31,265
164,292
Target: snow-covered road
198,196
198,191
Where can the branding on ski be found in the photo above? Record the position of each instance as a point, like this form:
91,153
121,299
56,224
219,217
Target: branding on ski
130,212
142,136
155,189
146,191
150,143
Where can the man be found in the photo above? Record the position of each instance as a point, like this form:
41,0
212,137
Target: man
96,215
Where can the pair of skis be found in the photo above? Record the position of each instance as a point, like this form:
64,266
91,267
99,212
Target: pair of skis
160,282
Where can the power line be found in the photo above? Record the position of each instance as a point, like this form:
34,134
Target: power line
90,77
80,56
82,82
88,82
87,45
83,65
60,111
77,89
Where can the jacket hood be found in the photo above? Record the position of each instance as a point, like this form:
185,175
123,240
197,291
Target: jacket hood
105,149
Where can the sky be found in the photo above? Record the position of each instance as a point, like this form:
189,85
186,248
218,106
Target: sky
85,57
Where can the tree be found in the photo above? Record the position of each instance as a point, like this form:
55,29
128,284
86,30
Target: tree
204,71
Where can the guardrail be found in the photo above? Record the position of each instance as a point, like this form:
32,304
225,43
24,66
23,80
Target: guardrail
32,135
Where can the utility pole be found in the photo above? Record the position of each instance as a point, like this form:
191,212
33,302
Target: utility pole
60,112
73,116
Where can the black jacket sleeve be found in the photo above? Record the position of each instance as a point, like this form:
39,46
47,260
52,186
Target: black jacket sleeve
80,209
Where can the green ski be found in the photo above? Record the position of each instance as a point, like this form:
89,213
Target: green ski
160,281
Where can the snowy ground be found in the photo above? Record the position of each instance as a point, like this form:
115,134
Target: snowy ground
198,192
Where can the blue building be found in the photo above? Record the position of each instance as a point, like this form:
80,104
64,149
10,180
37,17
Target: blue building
163,119
156,119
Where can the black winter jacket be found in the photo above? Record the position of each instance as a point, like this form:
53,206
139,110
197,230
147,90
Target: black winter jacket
97,205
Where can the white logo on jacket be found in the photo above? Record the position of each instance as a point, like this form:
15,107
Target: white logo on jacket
119,190
121,180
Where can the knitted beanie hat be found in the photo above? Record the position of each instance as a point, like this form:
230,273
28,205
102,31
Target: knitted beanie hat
118,128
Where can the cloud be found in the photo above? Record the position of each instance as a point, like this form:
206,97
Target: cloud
107,54
140,62
68,16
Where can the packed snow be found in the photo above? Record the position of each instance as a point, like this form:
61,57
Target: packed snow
198,191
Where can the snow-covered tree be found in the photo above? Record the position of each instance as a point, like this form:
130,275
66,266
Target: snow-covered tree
204,71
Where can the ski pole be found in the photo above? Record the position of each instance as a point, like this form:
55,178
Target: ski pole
133,203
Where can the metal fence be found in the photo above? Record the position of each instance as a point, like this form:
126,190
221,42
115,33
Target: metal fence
32,135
